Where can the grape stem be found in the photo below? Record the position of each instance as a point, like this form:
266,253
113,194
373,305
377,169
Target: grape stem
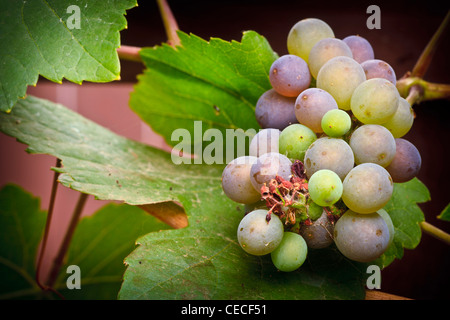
46,233
435,232
58,261
415,90
129,53
425,58
412,86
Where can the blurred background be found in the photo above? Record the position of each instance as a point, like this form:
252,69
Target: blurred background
406,28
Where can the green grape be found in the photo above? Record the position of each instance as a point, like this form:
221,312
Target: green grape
325,187
402,120
291,253
387,218
340,76
375,101
295,140
329,153
336,123
256,235
367,188
324,50
314,210
373,143
305,34
361,237
236,181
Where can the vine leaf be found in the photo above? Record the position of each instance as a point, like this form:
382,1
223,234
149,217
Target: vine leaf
445,214
21,228
216,82
99,245
406,216
38,39
96,161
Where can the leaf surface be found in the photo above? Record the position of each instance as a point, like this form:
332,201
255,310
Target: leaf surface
406,215
40,37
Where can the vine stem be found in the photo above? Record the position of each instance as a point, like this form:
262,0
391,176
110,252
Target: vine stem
58,261
435,232
46,232
129,53
425,58
170,24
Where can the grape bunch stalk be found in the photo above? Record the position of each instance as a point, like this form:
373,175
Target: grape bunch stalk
331,147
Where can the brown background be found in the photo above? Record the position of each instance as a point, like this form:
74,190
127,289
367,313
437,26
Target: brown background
406,27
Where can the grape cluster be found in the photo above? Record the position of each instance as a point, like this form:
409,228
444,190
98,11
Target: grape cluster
324,164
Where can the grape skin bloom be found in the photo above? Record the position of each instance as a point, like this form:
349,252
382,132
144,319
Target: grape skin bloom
367,188
257,236
289,75
291,252
361,237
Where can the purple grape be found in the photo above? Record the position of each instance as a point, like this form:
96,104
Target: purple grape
376,68
361,48
289,75
311,105
275,111
406,163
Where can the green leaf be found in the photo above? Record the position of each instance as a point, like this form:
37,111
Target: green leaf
202,260
445,214
406,216
98,162
99,246
21,228
40,38
216,82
